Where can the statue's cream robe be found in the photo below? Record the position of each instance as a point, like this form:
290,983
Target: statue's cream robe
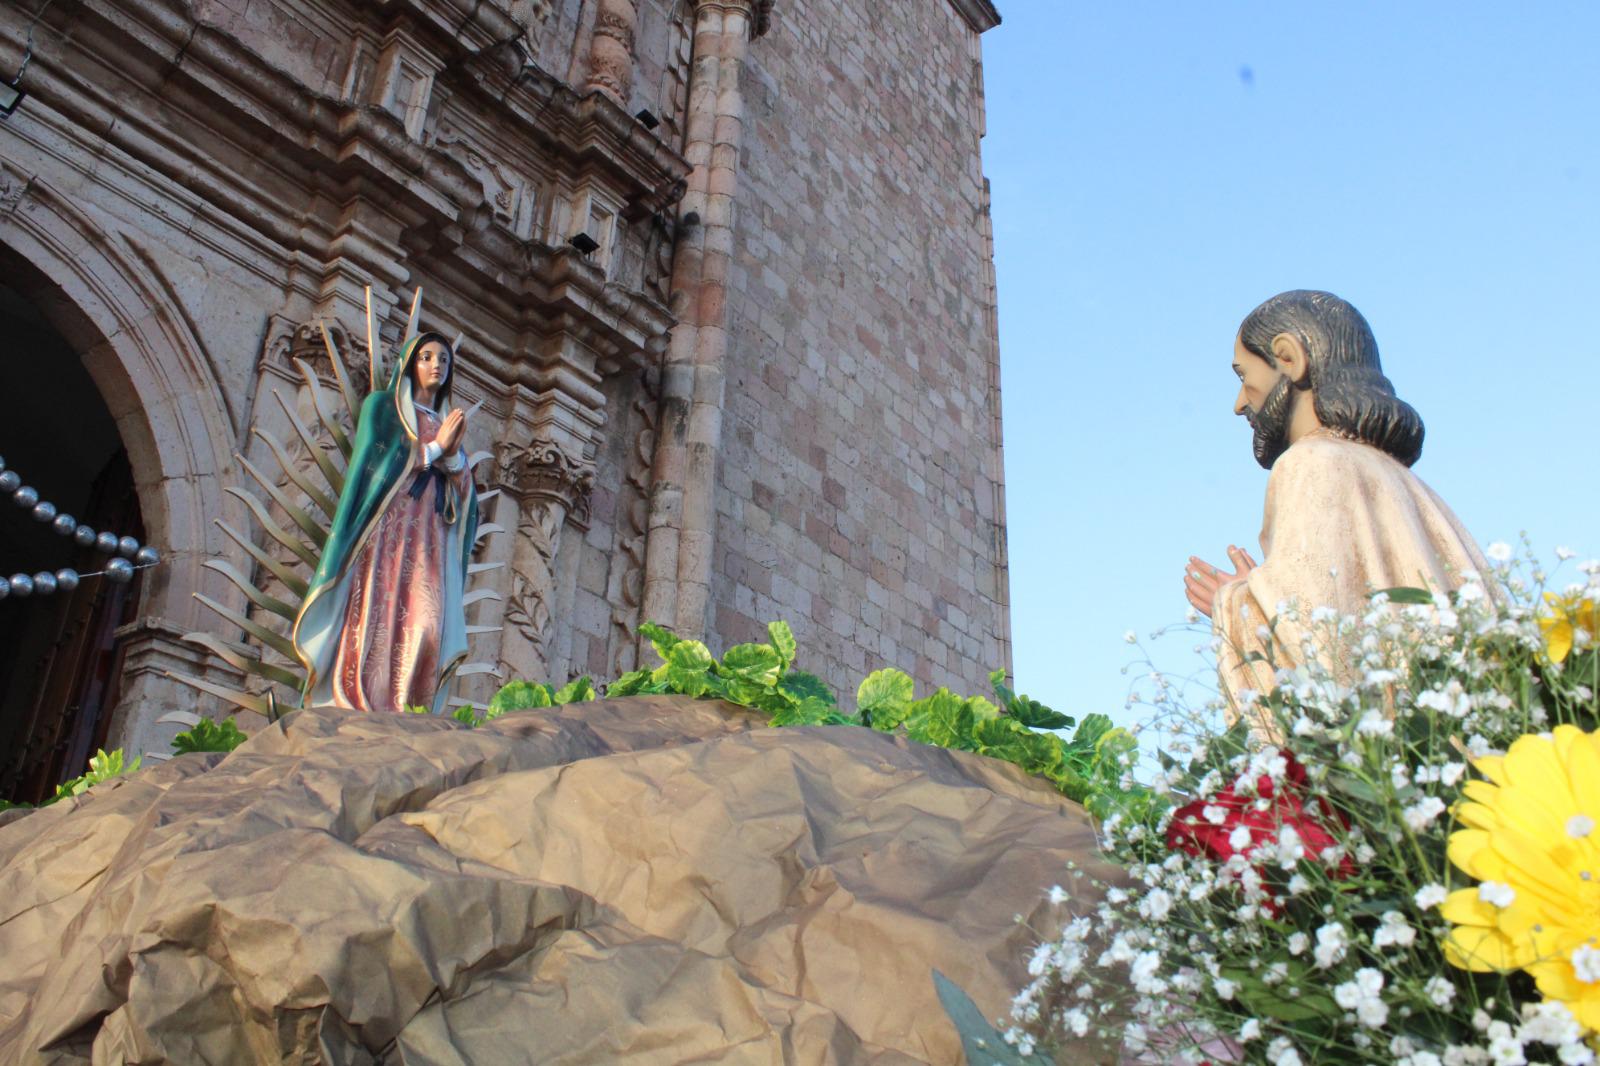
1342,520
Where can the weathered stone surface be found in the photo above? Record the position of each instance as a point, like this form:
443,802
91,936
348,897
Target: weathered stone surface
644,880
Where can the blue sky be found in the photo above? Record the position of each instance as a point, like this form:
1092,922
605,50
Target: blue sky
1159,169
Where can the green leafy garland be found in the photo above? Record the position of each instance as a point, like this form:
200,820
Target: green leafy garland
1090,768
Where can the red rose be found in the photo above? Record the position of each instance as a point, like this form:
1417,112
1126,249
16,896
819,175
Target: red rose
1287,803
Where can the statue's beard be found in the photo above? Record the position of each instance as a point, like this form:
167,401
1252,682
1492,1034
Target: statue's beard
1271,423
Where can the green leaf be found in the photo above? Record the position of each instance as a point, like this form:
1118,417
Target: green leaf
661,638
751,694
1036,715
802,685
466,716
578,691
807,712
519,696
782,638
758,663
1089,732
884,698
1115,743
687,669
1407,594
982,710
1002,738
629,684
208,736
103,766
1356,789
997,681
980,1041
1273,1001
943,719
690,655
1027,711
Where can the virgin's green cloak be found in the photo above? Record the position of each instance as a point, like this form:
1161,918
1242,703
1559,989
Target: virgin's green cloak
384,460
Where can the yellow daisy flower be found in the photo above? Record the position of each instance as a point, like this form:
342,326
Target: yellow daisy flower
1531,842
1567,613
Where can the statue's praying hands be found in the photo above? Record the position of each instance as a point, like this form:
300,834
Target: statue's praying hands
450,433
1201,580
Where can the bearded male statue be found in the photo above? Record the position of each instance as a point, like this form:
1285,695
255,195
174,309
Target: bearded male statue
1345,516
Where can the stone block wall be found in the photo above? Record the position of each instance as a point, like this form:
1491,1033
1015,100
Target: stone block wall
860,482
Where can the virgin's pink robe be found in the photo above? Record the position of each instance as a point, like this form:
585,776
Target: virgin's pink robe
388,653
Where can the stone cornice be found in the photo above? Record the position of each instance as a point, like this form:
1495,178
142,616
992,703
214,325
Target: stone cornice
981,15
311,144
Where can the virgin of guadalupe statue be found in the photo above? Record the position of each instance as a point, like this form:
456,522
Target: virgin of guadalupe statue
382,626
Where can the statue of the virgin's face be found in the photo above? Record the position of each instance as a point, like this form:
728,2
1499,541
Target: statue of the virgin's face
431,367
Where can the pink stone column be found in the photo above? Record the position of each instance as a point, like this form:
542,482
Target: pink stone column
681,539
611,49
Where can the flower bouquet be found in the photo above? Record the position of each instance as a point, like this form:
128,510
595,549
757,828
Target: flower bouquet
1390,858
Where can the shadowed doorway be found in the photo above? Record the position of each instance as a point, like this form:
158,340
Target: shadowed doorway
59,656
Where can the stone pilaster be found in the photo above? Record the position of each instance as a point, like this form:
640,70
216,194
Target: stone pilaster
546,483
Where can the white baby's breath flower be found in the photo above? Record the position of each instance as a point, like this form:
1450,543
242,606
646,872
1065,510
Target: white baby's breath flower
1058,895
1393,931
1550,1022
1363,995
1499,552
1130,637
1225,988
1375,724
1504,1047
1250,1030
1156,905
1333,940
1586,963
1440,992
1429,896
1423,813
1297,943
1239,839
1282,1053
1497,894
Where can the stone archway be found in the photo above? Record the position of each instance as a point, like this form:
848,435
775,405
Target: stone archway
103,292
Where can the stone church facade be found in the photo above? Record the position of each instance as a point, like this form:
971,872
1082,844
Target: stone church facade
770,389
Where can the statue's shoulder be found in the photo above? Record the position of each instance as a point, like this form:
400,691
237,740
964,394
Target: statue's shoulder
1328,461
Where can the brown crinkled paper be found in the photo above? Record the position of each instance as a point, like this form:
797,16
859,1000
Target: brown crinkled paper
649,880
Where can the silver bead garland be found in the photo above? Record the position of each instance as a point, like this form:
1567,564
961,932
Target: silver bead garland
129,556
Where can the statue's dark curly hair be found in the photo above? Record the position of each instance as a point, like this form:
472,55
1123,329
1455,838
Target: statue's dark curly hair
1351,394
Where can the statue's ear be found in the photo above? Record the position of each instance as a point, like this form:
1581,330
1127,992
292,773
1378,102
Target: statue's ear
1291,356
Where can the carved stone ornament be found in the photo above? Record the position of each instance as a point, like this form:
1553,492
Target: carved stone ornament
508,195
543,471
288,340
